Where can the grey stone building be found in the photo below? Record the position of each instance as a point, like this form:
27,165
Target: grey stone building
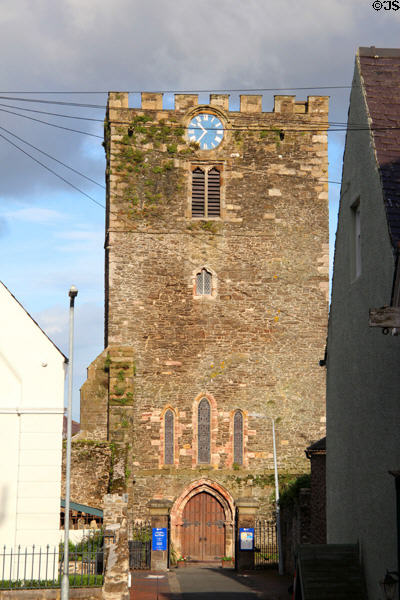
363,375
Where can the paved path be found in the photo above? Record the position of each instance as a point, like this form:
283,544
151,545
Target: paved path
212,583
151,585
209,583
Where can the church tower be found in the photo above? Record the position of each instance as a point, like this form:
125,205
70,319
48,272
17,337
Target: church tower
216,302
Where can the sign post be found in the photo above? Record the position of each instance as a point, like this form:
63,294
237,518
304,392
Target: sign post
159,539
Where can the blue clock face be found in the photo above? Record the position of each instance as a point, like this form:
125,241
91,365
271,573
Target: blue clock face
207,130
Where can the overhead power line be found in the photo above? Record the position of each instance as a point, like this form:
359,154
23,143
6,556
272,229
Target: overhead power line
14,135
191,91
167,245
80,104
52,171
45,112
333,127
51,124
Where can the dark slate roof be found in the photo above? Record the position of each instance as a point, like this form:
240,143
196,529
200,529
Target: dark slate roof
380,70
319,446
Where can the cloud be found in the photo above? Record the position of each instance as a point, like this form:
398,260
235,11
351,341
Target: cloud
3,227
156,44
88,337
30,214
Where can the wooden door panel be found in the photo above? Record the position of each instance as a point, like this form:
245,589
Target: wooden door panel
203,531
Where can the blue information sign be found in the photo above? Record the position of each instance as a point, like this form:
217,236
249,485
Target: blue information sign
159,538
246,538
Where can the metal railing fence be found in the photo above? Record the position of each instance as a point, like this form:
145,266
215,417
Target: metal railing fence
265,544
140,546
42,566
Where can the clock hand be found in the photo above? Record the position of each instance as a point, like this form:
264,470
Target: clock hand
202,135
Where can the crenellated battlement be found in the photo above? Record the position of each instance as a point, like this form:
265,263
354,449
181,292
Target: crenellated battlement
249,103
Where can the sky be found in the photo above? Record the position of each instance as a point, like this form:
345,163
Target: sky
52,234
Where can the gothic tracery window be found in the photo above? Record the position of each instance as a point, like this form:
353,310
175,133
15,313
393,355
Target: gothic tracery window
203,283
204,414
169,437
238,438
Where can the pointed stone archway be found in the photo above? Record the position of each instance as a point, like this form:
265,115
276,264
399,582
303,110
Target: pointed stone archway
204,507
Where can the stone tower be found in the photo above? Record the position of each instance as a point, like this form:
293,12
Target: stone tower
216,300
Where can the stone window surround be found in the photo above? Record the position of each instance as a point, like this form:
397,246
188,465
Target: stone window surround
162,438
214,283
230,459
206,165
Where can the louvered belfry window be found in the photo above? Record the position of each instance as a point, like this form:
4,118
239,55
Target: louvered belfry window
203,283
206,192
204,414
169,437
198,193
213,193
238,438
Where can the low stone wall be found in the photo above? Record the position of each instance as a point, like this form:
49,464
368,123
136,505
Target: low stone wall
86,593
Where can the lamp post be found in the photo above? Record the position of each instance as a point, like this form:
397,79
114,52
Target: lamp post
278,510
73,292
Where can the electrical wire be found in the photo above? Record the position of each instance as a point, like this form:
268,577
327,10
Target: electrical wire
51,124
52,157
44,112
52,171
191,91
168,246
82,174
317,127
80,104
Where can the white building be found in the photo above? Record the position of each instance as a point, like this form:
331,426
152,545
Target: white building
32,372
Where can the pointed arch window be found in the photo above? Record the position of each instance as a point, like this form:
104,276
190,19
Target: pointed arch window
203,283
169,437
203,424
206,192
238,438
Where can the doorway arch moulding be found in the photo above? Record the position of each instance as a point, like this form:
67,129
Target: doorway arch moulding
220,494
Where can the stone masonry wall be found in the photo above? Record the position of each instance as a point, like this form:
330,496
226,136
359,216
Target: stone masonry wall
97,468
255,343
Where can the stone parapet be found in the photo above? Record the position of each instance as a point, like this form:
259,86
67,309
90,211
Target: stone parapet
315,106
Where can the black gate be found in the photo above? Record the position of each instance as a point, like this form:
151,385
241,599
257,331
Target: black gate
140,546
265,544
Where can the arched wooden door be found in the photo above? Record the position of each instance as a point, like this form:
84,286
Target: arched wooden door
203,529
